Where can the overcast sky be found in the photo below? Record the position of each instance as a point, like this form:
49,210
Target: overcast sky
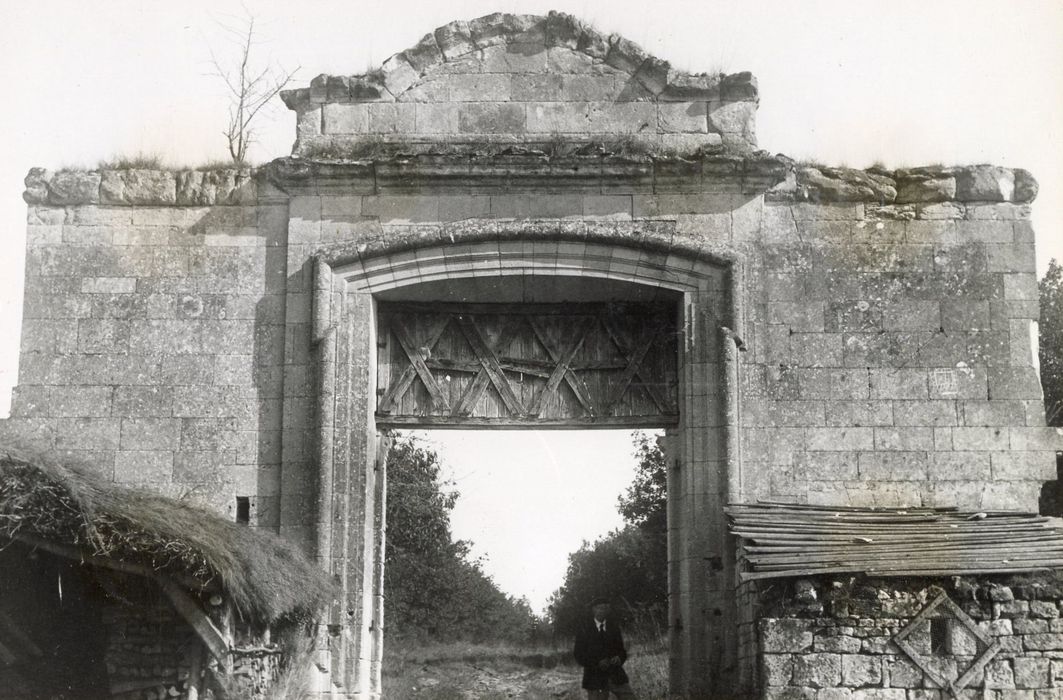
843,82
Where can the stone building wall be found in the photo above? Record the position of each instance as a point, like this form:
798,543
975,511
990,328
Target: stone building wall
833,638
183,330
889,348
892,348
153,332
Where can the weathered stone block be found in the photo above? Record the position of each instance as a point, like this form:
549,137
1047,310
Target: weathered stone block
999,675
1014,383
903,673
150,434
1023,466
993,413
682,117
136,187
825,466
1031,672
799,316
1037,438
912,315
817,670
74,187
143,401
99,434
898,383
776,669
837,644
201,467
1020,286
102,336
985,183
62,401
951,466
860,413
860,671
487,118
906,439
847,438
789,693
143,466
785,635
52,336
937,413
215,402
893,466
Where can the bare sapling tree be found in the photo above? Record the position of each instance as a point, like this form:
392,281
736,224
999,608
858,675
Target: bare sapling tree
249,88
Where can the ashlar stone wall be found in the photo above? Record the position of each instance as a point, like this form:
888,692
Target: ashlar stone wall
153,332
892,355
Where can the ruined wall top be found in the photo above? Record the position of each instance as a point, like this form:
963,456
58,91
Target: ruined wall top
525,78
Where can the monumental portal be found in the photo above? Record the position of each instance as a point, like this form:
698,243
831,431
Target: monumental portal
520,221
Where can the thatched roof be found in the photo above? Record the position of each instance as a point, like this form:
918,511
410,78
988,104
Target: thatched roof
264,576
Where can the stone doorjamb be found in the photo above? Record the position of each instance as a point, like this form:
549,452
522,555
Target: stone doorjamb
704,464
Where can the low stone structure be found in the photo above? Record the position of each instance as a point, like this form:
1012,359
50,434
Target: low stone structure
837,638
857,338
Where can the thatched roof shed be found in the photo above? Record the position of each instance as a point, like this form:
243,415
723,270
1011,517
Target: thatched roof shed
265,578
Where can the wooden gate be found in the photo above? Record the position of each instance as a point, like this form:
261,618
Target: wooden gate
527,365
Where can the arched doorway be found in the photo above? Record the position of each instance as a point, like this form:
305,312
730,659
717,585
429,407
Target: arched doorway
399,304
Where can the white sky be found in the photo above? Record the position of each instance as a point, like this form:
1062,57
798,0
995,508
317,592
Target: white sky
910,82
530,497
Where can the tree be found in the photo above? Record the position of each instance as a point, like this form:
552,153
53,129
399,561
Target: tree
1051,341
644,504
433,591
628,565
249,88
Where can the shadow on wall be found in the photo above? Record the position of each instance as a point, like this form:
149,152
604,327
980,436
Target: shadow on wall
1051,502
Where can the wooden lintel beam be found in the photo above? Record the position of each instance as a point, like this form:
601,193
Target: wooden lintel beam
194,615
69,552
529,423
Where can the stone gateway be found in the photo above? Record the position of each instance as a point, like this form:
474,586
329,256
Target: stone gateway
853,352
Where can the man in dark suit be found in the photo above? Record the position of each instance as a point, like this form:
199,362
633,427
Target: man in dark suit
600,651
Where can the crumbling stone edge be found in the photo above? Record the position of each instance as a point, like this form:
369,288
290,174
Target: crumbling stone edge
458,39
903,193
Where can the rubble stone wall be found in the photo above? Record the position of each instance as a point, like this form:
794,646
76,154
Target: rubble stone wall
831,638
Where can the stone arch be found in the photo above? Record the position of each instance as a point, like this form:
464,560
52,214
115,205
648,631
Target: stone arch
704,472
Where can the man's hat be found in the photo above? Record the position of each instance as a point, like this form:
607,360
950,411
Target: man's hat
599,600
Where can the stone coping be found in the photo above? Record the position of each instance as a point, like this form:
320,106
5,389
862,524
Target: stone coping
458,39
778,177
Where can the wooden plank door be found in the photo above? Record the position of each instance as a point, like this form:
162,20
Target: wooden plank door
527,365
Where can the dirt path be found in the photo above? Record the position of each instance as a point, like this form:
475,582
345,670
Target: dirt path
474,681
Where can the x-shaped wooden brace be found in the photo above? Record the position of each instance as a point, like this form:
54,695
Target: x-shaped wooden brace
490,371
634,358
562,369
417,355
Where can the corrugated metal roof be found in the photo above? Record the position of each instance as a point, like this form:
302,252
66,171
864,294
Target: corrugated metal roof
780,539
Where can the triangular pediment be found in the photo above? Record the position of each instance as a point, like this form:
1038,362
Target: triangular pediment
520,78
